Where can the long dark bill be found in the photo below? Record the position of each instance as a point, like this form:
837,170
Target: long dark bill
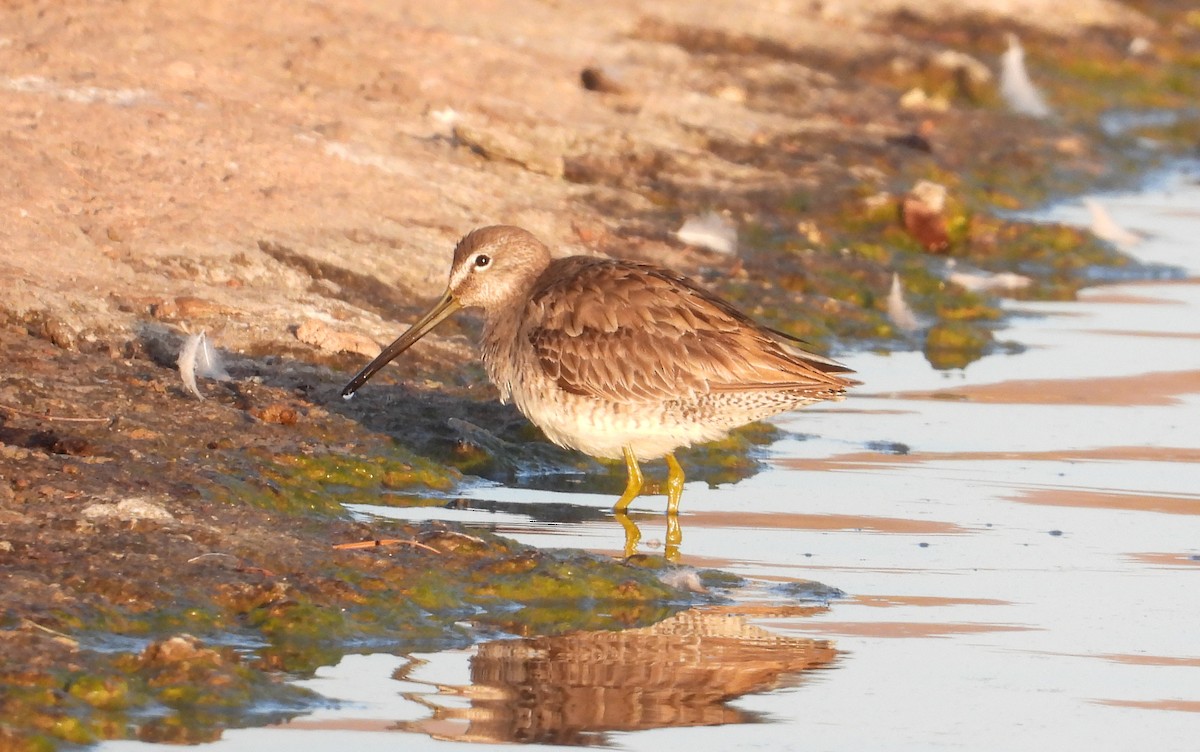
445,308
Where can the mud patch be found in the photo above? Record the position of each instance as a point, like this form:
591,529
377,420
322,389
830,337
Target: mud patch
1134,502
1164,388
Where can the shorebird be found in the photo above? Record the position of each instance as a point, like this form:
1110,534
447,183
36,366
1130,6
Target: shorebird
618,359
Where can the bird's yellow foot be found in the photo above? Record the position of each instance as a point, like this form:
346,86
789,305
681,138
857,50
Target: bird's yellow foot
633,487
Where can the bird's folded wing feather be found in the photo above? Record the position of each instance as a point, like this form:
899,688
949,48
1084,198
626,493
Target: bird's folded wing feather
632,333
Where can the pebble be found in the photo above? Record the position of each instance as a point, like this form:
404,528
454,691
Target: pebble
135,508
325,337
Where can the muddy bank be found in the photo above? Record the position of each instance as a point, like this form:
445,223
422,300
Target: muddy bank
291,180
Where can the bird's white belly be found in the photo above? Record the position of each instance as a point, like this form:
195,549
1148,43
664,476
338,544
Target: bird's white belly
602,429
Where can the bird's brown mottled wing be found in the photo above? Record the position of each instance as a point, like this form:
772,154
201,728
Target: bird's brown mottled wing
633,333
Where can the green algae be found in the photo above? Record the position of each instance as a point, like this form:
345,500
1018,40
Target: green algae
319,483
297,602
175,683
955,344
388,597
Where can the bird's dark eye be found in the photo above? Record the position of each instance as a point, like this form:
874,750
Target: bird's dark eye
482,260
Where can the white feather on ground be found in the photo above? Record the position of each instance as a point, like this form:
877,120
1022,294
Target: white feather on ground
981,281
1018,91
209,364
1106,228
898,309
187,363
197,357
710,230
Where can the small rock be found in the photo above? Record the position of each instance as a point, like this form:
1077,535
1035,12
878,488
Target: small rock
683,579
917,99
974,70
597,79
278,413
53,328
186,307
75,446
10,452
915,141
810,231
922,214
324,337
889,447
131,509
178,649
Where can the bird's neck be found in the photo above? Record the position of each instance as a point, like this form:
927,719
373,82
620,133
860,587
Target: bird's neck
498,347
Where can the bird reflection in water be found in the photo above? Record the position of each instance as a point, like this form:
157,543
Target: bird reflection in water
571,689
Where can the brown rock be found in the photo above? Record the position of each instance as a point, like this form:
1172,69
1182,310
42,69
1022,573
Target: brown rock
922,214
324,337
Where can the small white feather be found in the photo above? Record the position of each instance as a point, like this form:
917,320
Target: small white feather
209,364
198,357
980,281
446,117
1015,86
187,363
710,230
898,309
1106,228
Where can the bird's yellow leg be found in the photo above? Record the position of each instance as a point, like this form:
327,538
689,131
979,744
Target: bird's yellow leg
633,486
674,485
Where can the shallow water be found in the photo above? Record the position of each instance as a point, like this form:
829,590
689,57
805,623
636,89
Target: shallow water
1021,563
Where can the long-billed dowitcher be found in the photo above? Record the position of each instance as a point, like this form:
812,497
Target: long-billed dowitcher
618,358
